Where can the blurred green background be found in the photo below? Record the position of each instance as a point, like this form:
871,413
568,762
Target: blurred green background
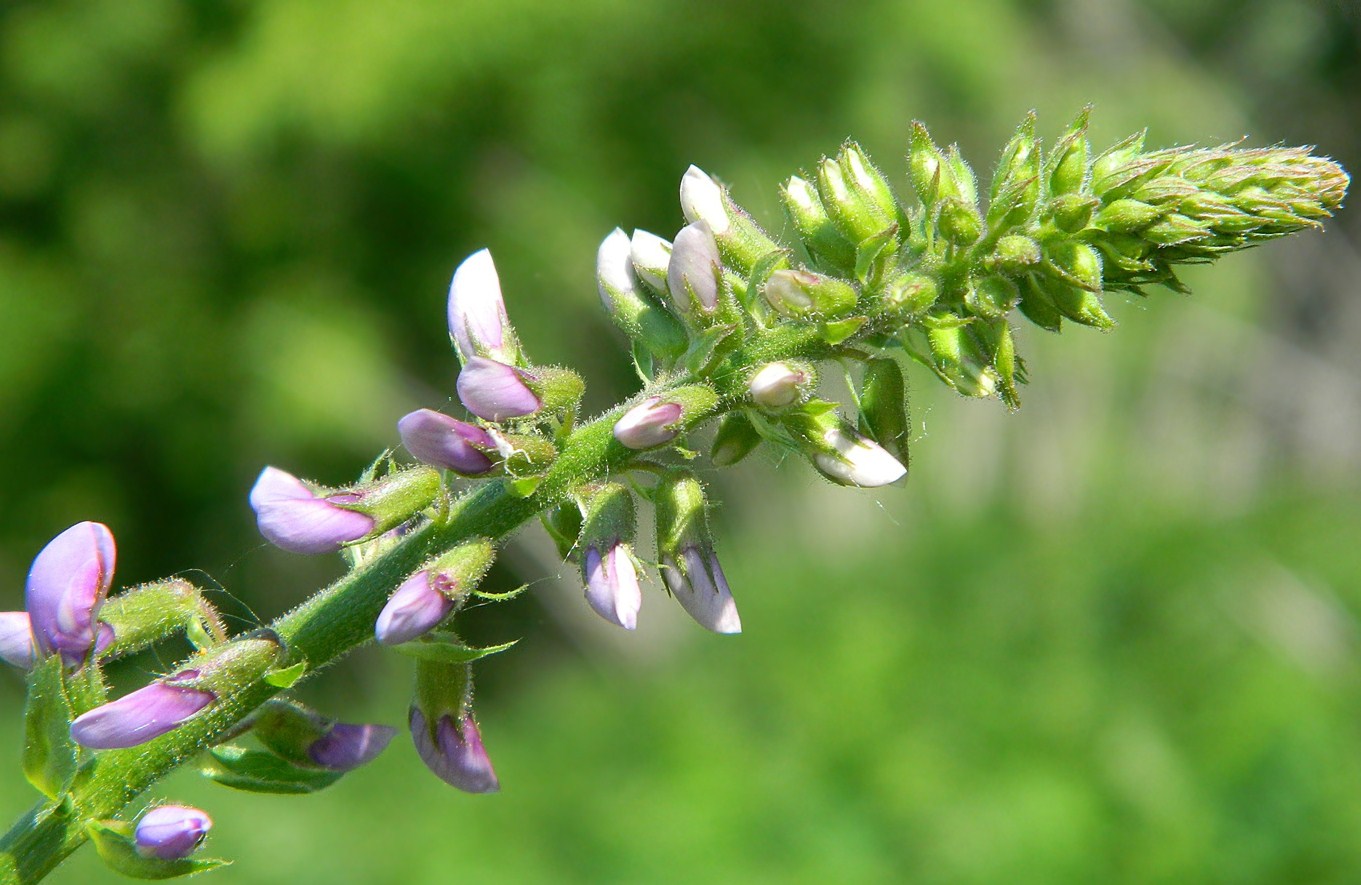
1112,638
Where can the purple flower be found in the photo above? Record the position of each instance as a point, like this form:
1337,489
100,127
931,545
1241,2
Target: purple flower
495,391
477,312
16,639
297,519
66,586
650,423
693,273
415,608
348,746
698,583
136,718
171,832
454,752
442,441
612,585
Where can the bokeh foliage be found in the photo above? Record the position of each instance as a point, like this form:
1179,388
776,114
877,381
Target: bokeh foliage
1112,637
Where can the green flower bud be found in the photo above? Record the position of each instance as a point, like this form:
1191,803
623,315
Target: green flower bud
392,499
1037,305
991,296
1107,166
963,175
802,293
736,438
149,613
1080,306
1015,254
558,389
869,184
1016,186
910,294
931,176
959,222
815,227
1072,212
1068,160
1127,216
1075,263
849,202
959,361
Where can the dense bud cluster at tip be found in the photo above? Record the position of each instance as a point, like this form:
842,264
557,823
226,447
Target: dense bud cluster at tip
724,321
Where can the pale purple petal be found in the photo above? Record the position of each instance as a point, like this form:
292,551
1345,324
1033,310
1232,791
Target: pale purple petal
441,441
477,312
456,754
66,586
171,832
348,745
415,608
16,639
703,590
136,718
495,391
692,275
293,517
612,586
648,424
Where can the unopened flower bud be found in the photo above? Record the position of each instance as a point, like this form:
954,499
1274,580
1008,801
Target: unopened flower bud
825,244
911,293
930,176
496,391
658,420
689,566
347,746
695,270
144,615
441,441
171,832
429,596
840,453
650,256
799,293
959,361
777,386
1016,185
991,295
16,640
1072,212
853,210
632,310
477,313
959,222
1015,254
607,566
67,585
1068,161
444,730
307,739
741,241
1075,263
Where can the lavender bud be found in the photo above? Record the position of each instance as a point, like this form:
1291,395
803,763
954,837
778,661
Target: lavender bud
798,293
415,609
171,832
632,310
441,441
295,518
612,585
454,752
651,423
477,313
692,276
495,391
701,199
685,548
851,459
650,256
66,586
16,640
777,386
347,746
146,713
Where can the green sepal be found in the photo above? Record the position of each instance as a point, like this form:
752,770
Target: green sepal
1081,306
911,293
286,677
114,842
260,771
444,648
523,488
643,362
991,296
610,516
824,244
1038,306
837,331
146,614
868,254
50,757
709,347
884,407
736,438
392,499
563,524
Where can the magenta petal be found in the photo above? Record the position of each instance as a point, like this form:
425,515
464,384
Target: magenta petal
16,639
495,391
441,441
456,754
171,832
414,609
66,586
348,746
291,516
136,718
612,586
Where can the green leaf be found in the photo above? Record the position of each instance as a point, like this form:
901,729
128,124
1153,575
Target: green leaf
524,486
287,676
867,254
259,771
50,756
114,842
838,331
710,346
442,649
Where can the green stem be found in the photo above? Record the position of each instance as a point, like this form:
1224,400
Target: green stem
340,617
